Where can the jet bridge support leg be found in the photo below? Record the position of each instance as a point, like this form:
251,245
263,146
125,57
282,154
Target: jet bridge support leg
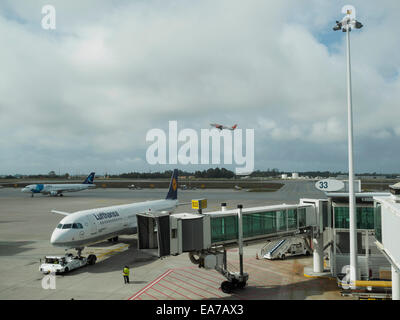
318,254
218,260
240,221
233,279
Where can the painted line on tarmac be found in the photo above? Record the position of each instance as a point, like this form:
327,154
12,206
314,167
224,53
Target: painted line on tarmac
213,294
155,281
112,250
186,289
177,292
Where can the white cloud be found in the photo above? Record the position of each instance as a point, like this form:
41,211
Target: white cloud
114,70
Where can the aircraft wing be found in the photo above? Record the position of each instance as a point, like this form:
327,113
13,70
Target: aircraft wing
61,212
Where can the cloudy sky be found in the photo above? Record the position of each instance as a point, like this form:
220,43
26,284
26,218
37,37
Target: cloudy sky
82,97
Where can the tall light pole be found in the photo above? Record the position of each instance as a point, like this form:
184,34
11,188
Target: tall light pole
346,25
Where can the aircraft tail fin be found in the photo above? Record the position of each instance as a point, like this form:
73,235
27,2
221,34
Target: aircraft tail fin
234,127
89,179
173,186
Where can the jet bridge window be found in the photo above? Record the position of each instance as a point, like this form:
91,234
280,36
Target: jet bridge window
67,226
259,223
292,219
301,213
224,228
281,222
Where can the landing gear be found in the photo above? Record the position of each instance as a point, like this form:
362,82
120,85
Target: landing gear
61,195
32,195
79,250
115,239
91,260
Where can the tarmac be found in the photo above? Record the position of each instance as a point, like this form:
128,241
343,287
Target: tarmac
26,225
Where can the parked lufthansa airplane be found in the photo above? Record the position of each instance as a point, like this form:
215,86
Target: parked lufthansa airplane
82,228
58,189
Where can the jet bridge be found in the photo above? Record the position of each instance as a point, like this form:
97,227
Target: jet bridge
206,236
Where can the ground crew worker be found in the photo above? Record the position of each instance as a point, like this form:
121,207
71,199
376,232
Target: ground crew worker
125,273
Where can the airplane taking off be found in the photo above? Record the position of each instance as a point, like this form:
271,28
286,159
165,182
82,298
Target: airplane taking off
221,127
58,189
82,228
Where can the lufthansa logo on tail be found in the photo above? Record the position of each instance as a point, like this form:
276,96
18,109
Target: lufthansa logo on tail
174,184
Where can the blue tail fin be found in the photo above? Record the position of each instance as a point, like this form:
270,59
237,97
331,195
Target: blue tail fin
89,179
173,186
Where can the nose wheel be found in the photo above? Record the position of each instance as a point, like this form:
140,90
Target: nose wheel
79,250
91,259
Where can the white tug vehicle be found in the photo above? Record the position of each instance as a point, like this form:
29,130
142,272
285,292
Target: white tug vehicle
63,264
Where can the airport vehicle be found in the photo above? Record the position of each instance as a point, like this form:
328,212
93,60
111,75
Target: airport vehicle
282,248
59,189
62,264
134,187
221,127
82,228
189,187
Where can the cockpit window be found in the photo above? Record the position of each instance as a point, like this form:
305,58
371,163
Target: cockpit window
77,226
67,226
59,226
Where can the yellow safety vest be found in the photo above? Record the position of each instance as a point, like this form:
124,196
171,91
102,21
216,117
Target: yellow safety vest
126,272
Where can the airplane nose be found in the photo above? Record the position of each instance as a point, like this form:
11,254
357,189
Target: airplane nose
53,238
60,238
56,237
